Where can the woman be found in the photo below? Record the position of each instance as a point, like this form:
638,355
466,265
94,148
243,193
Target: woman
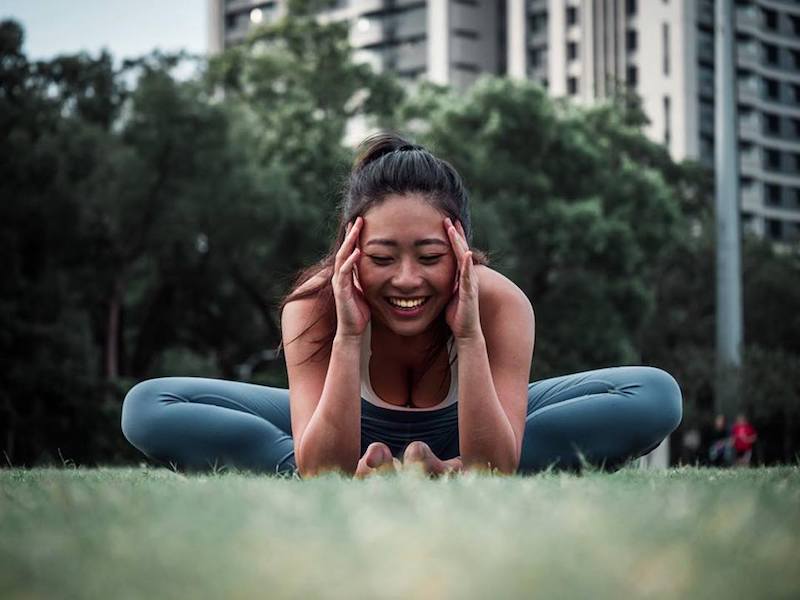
403,346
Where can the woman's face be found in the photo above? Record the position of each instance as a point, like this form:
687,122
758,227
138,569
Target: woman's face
406,260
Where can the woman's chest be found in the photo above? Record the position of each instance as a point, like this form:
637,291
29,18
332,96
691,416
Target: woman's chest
401,386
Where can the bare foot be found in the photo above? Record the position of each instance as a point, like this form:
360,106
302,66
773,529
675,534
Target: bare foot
418,455
377,459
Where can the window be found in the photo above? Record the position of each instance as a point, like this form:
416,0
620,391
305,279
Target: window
667,116
665,46
796,92
536,56
468,67
630,7
631,40
795,54
572,85
468,34
795,24
772,89
775,228
773,159
572,50
232,20
796,128
632,76
770,19
772,123
771,54
773,194
572,15
538,22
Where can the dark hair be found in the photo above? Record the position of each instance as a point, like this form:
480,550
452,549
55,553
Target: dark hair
385,165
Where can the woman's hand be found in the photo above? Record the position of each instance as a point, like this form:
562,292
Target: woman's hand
352,310
462,313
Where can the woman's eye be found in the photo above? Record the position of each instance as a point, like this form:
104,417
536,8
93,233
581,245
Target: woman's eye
381,260
431,258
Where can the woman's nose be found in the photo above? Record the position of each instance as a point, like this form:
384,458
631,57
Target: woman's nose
407,275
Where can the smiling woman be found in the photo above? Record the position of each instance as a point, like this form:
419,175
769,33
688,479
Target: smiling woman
402,343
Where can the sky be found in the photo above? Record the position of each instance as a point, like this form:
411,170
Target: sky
127,28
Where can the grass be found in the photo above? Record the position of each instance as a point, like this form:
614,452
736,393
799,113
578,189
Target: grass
152,533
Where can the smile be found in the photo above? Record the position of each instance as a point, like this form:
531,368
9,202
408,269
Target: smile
408,303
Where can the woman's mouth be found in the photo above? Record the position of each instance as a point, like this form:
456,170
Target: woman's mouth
407,307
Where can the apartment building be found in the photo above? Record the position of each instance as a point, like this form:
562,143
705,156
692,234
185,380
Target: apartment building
446,41
584,49
664,50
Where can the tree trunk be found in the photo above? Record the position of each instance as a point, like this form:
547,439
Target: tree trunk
113,330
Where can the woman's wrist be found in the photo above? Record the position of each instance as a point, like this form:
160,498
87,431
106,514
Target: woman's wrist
347,339
470,341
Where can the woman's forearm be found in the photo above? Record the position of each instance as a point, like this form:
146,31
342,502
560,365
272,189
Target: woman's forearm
486,438
332,438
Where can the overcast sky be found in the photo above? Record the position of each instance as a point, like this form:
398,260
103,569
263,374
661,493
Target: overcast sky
126,27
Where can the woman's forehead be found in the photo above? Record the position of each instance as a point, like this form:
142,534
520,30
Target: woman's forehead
408,210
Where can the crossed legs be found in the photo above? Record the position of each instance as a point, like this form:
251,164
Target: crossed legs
605,417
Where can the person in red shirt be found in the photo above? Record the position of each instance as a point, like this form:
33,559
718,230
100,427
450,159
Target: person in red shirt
744,436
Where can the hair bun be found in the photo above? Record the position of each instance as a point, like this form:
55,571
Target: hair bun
380,144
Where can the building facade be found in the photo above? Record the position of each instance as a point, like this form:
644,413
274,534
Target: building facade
584,49
450,42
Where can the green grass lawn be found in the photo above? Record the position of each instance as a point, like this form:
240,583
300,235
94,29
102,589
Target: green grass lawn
151,533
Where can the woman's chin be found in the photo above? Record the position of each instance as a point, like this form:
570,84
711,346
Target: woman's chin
406,324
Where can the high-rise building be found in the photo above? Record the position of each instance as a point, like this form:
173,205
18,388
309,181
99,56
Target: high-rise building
446,41
664,50
584,49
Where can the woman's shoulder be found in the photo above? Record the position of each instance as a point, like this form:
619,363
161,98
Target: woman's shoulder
302,313
497,290
507,318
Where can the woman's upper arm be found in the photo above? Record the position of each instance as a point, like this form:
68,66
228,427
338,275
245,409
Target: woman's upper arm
306,377
508,325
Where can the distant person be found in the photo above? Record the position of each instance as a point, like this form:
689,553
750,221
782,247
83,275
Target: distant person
403,344
720,451
744,437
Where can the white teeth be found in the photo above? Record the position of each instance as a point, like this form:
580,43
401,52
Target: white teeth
407,303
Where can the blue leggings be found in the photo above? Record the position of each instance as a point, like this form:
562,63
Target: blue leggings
603,418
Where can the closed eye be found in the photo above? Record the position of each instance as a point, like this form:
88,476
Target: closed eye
385,260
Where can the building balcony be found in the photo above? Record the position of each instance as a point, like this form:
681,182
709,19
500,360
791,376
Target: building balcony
752,196
749,90
748,17
748,55
750,127
705,12
750,159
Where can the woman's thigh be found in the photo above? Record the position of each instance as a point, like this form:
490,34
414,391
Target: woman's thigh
605,417
195,421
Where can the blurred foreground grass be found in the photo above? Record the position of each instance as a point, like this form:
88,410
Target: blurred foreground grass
151,533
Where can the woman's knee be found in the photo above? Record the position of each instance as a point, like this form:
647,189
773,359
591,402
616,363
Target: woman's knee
664,398
137,409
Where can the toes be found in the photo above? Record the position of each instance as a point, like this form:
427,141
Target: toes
417,451
377,454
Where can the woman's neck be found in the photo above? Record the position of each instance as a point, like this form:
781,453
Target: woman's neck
406,350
